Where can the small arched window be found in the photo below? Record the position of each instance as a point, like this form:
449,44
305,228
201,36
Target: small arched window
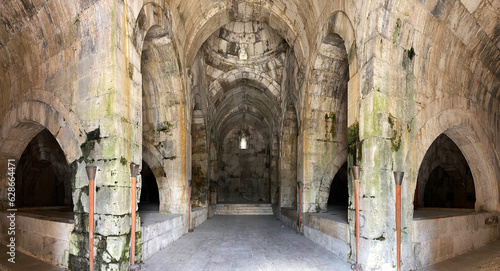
243,142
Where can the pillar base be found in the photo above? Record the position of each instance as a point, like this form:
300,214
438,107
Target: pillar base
356,267
134,267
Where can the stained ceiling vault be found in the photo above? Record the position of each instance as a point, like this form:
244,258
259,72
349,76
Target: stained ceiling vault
244,62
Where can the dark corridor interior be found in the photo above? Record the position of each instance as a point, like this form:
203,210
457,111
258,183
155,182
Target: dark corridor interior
339,195
150,197
445,177
43,177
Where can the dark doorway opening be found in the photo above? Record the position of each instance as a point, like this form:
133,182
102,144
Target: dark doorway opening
150,197
43,176
339,194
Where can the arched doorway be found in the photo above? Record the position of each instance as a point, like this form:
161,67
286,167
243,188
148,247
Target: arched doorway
444,178
339,194
150,197
43,176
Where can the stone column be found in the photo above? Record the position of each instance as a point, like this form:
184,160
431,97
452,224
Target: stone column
110,107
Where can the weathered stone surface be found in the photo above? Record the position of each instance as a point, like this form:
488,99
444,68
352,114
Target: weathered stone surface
175,81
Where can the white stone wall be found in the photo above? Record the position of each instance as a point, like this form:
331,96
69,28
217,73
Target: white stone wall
199,215
159,235
435,240
332,235
44,238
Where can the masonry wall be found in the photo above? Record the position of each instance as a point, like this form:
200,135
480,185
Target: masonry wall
438,239
84,70
40,236
244,174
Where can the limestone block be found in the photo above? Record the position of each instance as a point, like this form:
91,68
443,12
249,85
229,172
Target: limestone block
108,225
115,247
445,247
109,200
55,250
31,242
55,229
462,243
423,254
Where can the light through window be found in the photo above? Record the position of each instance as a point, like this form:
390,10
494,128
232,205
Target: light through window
243,143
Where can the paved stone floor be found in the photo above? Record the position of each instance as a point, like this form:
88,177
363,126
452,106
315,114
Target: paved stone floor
257,243
244,243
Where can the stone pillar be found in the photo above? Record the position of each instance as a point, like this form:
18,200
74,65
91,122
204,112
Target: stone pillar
288,161
376,184
110,108
274,160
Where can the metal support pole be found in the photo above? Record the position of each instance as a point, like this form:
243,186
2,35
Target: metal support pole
398,178
134,169
189,205
356,170
300,203
91,171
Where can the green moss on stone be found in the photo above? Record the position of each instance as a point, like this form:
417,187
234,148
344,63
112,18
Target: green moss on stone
411,53
397,31
330,118
123,161
164,127
353,133
351,53
396,133
130,71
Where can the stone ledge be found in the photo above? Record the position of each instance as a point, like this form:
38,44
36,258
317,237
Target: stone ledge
43,237
441,238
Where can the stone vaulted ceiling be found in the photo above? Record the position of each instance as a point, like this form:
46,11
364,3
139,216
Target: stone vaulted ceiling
244,68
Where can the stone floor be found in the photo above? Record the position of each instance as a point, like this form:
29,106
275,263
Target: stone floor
244,243
257,243
23,262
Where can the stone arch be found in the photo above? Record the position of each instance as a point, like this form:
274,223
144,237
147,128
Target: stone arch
339,194
164,100
151,14
333,79
291,29
24,121
442,167
326,183
466,131
27,119
262,80
340,24
150,155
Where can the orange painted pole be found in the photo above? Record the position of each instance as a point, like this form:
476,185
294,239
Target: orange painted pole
91,171
189,205
356,173
300,203
134,169
398,177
